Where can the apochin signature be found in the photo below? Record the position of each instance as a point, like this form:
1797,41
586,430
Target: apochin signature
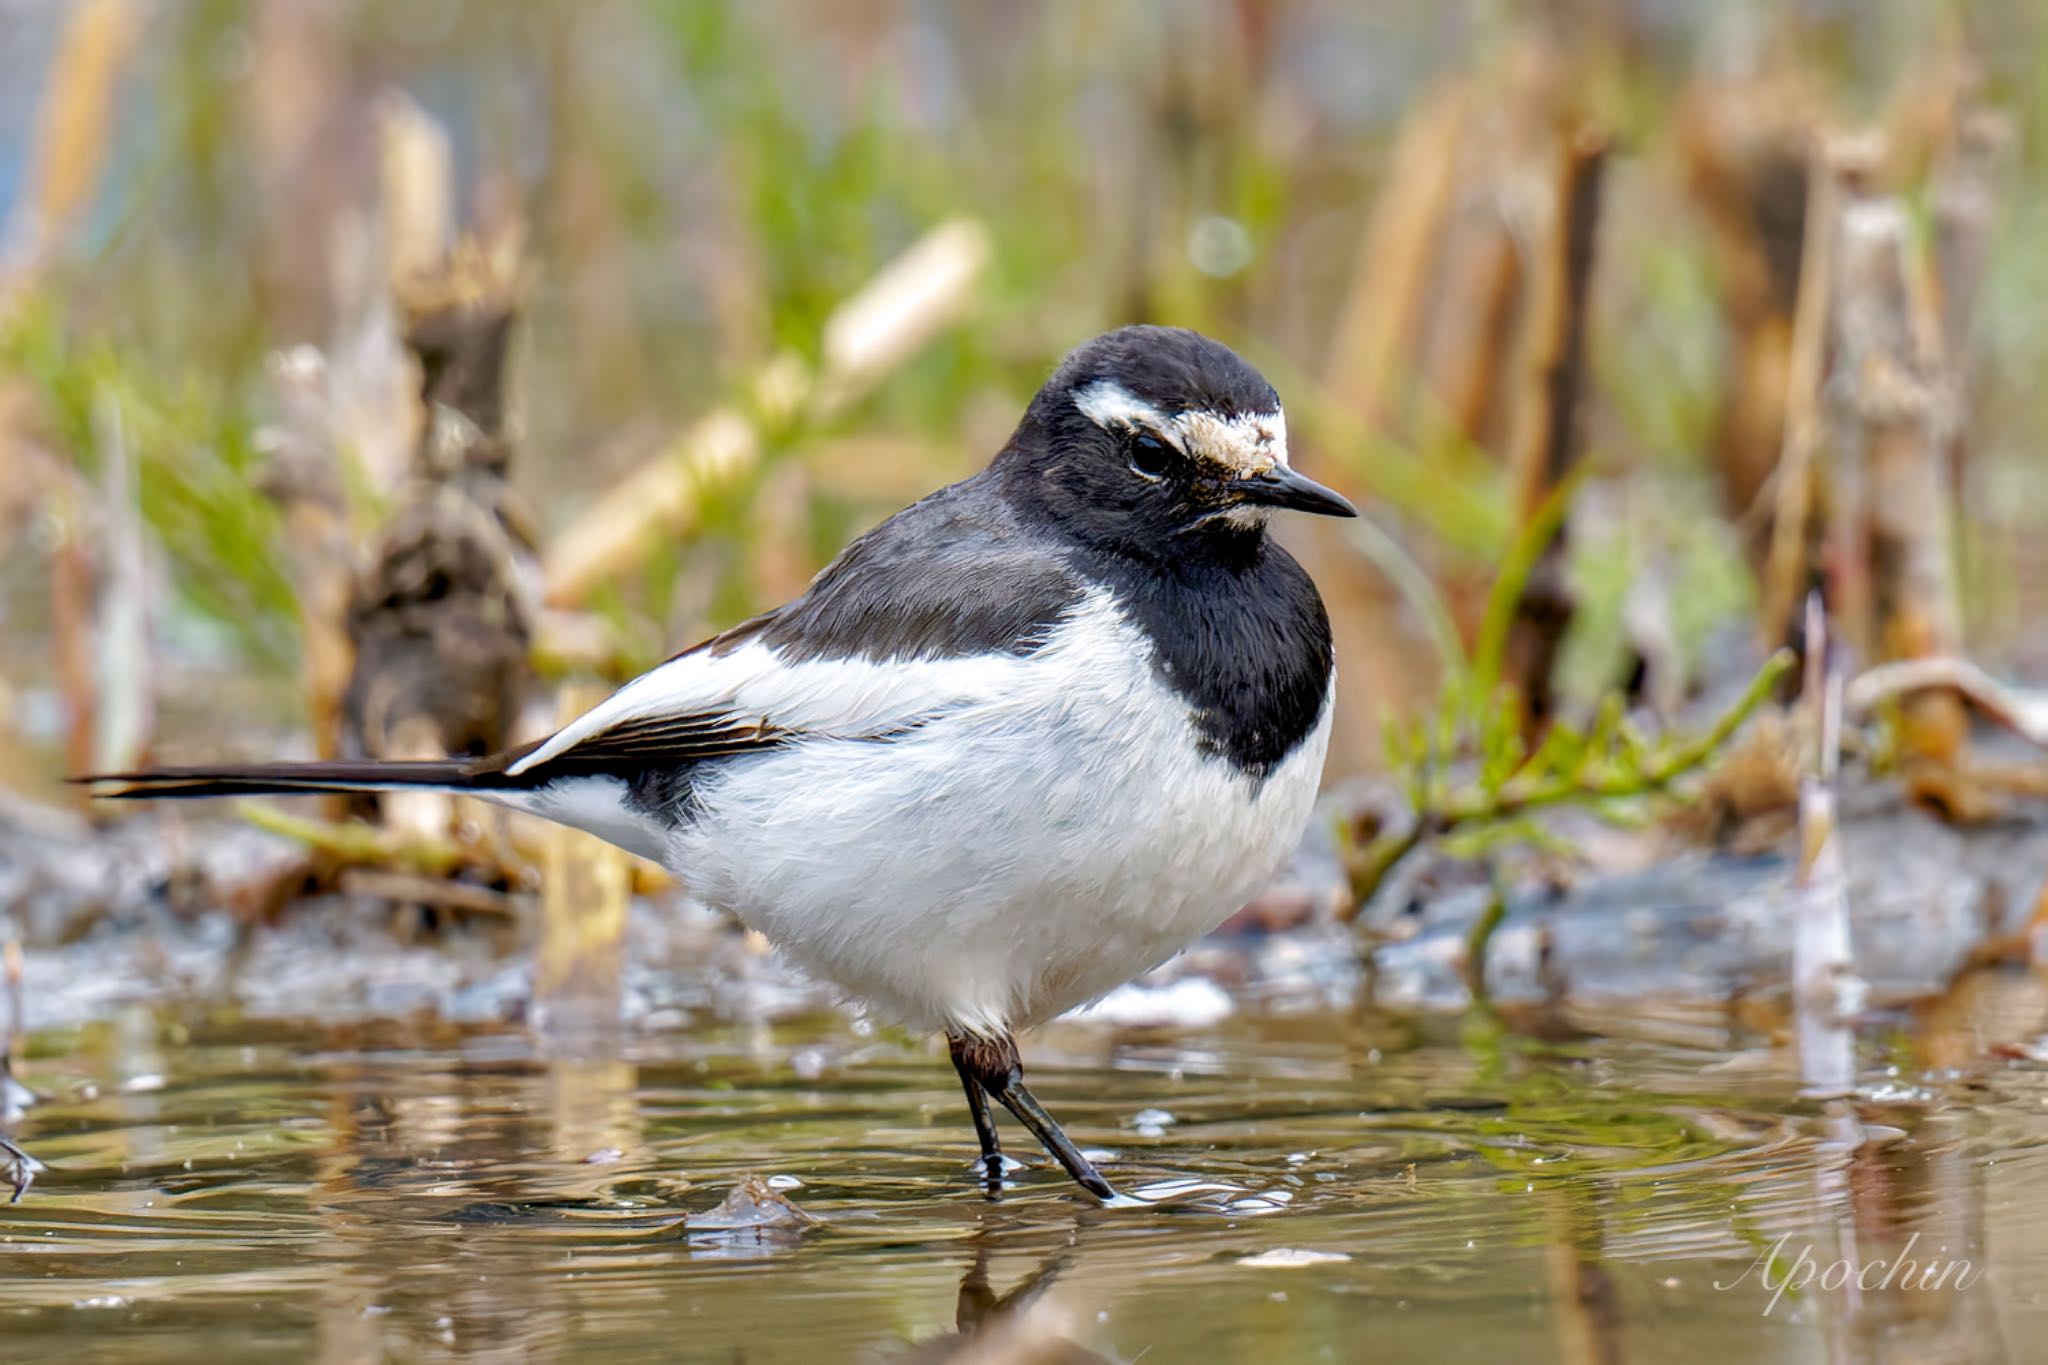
1903,1272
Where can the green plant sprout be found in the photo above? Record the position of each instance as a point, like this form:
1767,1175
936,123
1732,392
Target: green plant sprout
1470,776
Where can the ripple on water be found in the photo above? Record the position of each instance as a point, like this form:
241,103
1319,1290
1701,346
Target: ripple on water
450,1193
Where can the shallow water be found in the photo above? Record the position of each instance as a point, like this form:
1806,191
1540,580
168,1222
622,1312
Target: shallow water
228,1189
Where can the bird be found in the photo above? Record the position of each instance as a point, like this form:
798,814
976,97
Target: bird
1015,746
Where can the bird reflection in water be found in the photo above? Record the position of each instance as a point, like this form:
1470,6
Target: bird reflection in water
1025,1324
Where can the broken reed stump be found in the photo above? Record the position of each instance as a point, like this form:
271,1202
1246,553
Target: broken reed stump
352,424
1892,543
1875,399
1876,396
1547,426
440,618
441,634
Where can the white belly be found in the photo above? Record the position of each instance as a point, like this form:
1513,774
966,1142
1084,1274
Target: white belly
1017,857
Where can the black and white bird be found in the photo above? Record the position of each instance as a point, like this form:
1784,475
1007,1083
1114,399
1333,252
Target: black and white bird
1021,742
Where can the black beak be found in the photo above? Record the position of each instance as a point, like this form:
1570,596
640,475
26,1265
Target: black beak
1281,486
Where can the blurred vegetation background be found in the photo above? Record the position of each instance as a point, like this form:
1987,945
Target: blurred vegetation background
1494,256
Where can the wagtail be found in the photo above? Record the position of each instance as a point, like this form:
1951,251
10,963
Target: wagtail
1019,743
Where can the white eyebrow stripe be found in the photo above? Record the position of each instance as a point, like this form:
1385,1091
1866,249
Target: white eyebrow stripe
1247,443
1108,403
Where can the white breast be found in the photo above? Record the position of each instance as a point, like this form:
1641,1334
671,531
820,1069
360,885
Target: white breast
1053,834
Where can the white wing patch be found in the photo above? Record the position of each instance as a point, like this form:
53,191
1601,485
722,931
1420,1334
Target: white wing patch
1249,443
843,698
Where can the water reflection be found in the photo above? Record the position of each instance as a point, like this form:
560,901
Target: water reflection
1024,1322
423,1192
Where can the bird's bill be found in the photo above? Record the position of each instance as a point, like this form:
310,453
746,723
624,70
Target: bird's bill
1282,486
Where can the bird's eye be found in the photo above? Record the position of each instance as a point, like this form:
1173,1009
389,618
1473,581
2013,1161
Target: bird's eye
1148,455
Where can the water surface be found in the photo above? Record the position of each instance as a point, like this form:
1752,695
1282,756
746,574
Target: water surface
228,1188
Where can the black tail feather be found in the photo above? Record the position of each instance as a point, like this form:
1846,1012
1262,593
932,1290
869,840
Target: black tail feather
292,779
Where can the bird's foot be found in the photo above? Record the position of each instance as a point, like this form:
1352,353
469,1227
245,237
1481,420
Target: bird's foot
989,1067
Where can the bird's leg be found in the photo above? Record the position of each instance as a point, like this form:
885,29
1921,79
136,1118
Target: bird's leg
977,1105
994,1062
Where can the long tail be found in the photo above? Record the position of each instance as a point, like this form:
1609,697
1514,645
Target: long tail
287,779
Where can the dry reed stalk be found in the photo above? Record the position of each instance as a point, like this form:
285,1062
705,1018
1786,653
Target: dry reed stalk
321,589
1382,311
125,713
1480,292
1377,329
416,183
1387,667
1483,286
73,123
312,160
1825,992
73,586
584,896
1791,565
2024,713
439,892
319,545
74,120
661,497
1547,428
1747,150
779,563
1894,528
909,302
1965,195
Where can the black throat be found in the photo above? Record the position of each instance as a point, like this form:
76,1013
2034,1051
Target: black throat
1237,630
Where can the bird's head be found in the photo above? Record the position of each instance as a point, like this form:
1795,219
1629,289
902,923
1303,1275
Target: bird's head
1160,441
